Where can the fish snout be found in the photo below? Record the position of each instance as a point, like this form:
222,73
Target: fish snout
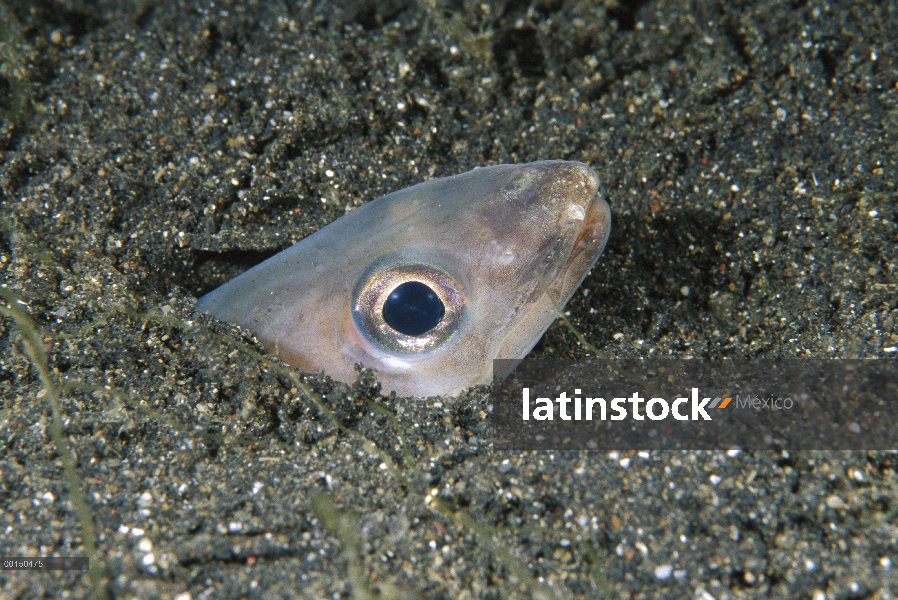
575,225
590,218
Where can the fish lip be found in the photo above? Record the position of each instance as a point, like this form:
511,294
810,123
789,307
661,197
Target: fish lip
581,245
593,233
569,256
576,248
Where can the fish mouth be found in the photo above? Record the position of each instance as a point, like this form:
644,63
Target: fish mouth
586,248
585,222
582,221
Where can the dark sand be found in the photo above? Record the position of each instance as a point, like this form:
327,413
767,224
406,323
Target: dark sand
748,151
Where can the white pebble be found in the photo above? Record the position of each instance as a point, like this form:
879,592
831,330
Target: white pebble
663,572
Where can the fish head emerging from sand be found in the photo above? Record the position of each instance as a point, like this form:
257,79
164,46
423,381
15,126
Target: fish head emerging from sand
429,284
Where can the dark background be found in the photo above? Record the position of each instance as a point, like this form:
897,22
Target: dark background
151,151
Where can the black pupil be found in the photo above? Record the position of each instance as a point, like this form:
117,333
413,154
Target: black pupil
413,308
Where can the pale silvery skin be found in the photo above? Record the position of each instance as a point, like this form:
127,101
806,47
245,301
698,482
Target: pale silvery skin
478,239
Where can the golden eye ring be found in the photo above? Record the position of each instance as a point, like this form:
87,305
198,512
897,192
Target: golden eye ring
381,286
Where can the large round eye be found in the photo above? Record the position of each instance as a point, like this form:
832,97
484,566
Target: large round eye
408,308
413,308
